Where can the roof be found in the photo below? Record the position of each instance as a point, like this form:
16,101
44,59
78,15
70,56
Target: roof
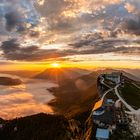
109,100
112,76
98,104
107,117
102,133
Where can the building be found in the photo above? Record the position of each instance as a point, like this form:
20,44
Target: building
98,104
109,102
103,113
114,77
99,111
102,134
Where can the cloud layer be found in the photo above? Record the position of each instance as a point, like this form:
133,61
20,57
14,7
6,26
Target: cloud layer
42,29
27,99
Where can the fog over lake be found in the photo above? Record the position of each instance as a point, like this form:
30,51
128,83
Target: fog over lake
29,98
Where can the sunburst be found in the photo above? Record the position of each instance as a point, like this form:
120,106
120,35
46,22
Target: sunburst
55,65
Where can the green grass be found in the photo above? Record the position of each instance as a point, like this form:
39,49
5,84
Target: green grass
112,95
123,134
131,94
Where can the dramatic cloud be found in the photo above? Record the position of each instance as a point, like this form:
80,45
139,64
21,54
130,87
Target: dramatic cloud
10,46
17,13
133,25
65,15
45,29
12,50
12,19
90,44
130,7
96,44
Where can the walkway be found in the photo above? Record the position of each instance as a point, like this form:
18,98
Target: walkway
132,110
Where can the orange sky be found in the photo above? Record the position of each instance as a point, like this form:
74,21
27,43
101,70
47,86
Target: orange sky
75,33
85,65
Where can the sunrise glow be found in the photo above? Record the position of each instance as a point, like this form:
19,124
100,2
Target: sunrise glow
55,65
64,63
84,36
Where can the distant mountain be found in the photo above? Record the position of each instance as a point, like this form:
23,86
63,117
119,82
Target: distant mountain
22,73
126,72
131,76
60,74
75,95
9,81
135,72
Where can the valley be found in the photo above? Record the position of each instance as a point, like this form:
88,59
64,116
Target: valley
75,101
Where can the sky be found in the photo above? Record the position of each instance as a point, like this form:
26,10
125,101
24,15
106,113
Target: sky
74,33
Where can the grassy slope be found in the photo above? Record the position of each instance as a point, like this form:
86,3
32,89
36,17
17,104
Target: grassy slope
70,101
131,94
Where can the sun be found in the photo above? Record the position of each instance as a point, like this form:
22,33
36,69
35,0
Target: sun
55,65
